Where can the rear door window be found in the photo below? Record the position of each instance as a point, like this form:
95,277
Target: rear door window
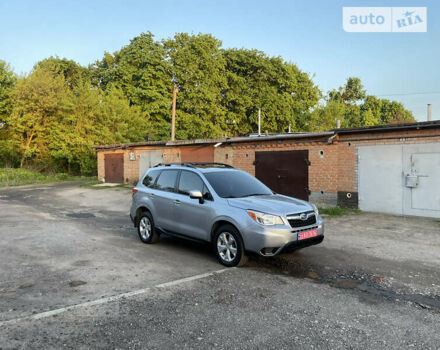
167,180
150,178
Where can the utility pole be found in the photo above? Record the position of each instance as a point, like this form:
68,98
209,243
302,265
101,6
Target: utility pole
259,121
173,117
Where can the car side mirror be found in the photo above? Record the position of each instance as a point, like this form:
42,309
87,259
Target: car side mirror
196,195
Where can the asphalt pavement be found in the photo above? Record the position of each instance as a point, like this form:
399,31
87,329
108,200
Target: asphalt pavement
74,274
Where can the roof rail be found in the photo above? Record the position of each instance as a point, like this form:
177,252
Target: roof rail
212,164
195,164
175,164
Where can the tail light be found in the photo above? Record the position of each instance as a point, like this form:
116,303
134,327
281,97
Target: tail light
134,191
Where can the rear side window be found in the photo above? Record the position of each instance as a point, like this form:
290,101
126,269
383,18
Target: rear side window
190,182
167,180
150,178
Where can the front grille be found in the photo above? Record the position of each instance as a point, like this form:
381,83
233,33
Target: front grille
311,220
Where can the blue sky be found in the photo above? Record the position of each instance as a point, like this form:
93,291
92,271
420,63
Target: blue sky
308,33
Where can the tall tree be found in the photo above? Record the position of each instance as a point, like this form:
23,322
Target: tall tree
92,117
73,73
37,99
280,89
361,109
7,82
142,71
325,116
8,155
352,92
198,68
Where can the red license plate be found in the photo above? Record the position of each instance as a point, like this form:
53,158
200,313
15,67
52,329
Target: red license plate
307,234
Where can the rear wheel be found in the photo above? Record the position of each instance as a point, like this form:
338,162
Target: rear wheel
147,232
229,246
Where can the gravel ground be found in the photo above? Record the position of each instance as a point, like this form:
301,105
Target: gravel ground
373,282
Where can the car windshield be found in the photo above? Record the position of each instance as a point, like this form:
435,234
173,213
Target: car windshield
236,184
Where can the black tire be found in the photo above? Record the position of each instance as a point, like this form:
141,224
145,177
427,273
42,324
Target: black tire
145,220
223,257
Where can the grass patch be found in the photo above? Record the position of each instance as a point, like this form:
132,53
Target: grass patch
18,177
338,211
333,211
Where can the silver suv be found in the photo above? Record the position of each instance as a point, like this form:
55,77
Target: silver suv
227,207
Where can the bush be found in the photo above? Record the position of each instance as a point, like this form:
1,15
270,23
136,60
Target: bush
61,176
17,177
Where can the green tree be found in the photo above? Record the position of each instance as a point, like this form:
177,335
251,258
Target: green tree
198,68
37,101
8,156
280,89
93,117
142,71
351,93
73,73
7,82
361,109
325,117
369,119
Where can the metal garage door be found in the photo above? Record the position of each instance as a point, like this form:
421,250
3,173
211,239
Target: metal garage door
400,179
380,178
285,172
148,159
114,167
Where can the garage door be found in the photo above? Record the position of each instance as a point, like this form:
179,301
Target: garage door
114,168
197,153
380,179
285,172
148,159
400,179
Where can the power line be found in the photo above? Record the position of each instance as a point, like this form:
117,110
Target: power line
411,93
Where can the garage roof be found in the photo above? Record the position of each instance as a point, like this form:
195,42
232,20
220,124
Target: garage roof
290,136
218,140
390,127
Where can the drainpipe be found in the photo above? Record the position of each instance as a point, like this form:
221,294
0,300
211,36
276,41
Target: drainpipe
330,139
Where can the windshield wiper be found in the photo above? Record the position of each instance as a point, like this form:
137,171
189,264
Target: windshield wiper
254,194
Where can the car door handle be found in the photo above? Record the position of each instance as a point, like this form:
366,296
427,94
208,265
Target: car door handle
177,202
151,195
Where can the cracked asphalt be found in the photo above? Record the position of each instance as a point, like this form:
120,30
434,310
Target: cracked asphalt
373,283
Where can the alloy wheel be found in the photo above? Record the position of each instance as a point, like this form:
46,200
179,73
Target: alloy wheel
227,246
145,228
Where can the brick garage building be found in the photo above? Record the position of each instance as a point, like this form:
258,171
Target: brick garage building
393,169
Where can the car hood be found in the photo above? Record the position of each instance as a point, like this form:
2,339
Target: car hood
272,204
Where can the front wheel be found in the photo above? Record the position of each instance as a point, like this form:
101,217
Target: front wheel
146,230
229,246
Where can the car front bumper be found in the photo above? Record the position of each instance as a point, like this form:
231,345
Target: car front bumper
273,240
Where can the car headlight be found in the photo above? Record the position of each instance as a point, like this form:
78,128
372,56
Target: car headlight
315,209
265,219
